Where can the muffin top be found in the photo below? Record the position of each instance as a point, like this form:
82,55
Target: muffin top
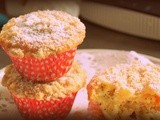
41,34
70,83
135,77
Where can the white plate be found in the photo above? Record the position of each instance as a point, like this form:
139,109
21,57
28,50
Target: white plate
91,61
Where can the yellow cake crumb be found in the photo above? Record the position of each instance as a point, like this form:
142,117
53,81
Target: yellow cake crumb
127,91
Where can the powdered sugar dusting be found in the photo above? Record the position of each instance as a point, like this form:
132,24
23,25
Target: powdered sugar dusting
42,28
51,31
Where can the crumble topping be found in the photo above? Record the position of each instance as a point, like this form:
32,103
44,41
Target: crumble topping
70,83
42,33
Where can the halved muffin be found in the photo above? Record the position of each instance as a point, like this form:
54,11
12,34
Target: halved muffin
127,92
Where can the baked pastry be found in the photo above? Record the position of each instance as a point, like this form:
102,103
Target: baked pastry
127,92
42,44
49,101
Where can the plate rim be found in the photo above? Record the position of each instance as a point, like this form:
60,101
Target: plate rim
152,58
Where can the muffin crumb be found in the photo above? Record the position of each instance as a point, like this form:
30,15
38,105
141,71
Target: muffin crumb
127,91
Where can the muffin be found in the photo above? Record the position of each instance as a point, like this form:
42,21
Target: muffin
39,101
127,92
42,44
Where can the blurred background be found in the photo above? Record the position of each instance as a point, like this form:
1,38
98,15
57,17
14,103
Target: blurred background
111,24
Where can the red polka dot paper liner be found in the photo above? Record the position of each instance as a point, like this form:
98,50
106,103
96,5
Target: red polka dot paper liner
94,112
54,109
44,70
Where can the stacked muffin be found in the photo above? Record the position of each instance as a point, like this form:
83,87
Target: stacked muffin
44,78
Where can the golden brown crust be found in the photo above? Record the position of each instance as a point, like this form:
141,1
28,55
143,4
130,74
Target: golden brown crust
70,83
41,34
127,90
